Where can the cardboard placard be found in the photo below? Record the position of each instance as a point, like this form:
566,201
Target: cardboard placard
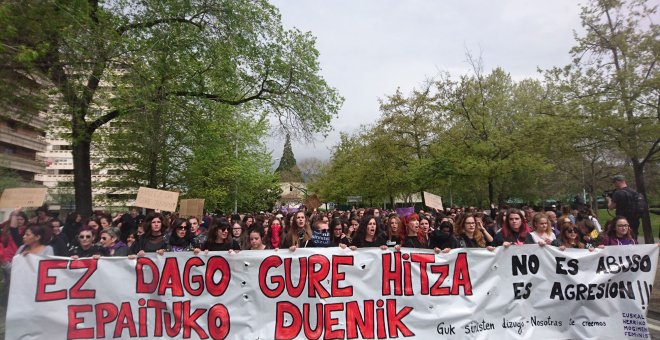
157,199
191,207
313,202
23,197
433,201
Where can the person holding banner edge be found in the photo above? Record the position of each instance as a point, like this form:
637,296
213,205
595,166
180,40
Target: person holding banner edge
369,234
219,238
513,230
299,234
153,240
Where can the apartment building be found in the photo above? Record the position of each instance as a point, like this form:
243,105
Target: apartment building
58,175
21,141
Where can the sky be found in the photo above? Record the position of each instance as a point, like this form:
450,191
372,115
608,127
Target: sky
369,48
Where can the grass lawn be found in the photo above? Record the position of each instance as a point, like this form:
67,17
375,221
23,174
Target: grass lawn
604,216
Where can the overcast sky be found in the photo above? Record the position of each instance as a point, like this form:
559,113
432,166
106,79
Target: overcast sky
368,48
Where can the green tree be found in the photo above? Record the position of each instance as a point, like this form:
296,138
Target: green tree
288,170
492,135
338,178
228,164
231,52
411,124
613,83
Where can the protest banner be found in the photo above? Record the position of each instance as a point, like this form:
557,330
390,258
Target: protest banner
520,292
157,199
191,207
433,201
23,197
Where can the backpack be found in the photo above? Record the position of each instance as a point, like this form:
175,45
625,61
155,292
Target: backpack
638,205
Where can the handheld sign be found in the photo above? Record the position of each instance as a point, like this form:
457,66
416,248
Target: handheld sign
313,202
156,199
432,201
191,207
23,197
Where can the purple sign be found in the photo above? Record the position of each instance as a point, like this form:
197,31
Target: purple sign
405,212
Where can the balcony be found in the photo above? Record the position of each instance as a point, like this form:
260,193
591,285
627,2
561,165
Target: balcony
34,120
10,136
56,154
21,164
69,178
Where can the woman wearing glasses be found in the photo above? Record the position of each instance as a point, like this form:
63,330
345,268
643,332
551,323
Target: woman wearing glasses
111,244
470,233
619,233
86,246
219,237
569,237
182,237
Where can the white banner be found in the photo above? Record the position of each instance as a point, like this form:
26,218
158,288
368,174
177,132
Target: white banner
523,292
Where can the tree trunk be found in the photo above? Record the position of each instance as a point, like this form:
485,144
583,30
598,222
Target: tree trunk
592,200
82,174
152,180
638,169
491,190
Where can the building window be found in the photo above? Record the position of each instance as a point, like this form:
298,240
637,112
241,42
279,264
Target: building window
9,149
12,125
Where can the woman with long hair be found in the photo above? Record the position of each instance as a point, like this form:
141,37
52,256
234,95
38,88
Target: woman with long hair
424,230
299,234
569,236
181,236
513,230
619,233
410,233
12,236
393,233
219,238
469,234
154,238
338,235
72,224
94,225
256,236
541,229
369,234
353,225
274,233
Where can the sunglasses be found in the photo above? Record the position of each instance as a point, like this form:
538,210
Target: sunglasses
104,238
183,227
82,237
571,231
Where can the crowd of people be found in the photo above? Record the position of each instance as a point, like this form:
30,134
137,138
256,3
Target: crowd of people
133,235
